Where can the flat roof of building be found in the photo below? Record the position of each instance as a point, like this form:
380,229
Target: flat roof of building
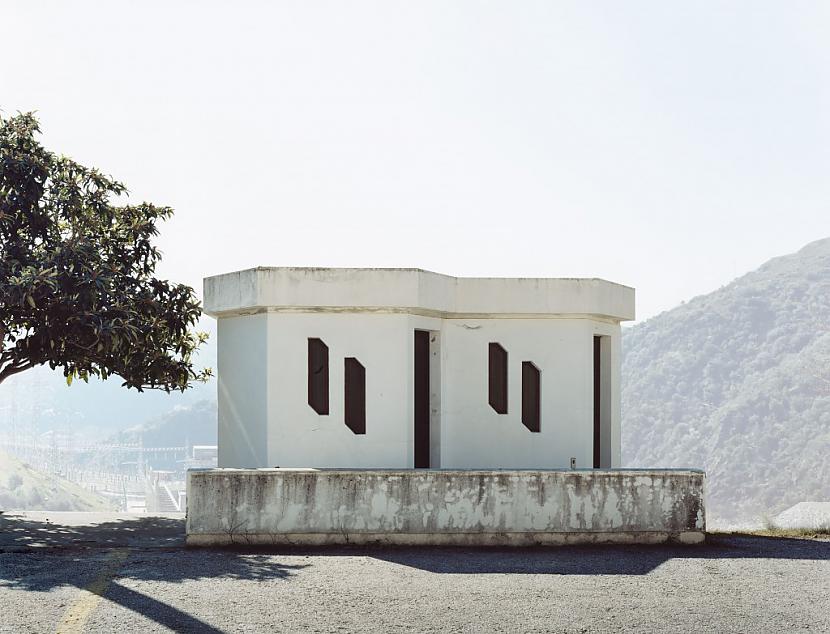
414,291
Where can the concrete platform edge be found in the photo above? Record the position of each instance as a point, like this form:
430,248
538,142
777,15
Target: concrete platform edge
512,539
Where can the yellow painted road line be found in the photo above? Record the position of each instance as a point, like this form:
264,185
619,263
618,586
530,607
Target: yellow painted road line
78,612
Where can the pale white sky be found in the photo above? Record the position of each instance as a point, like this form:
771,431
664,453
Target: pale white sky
670,146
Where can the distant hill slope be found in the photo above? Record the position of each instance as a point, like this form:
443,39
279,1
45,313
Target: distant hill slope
185,425
738,382
39,400
22,488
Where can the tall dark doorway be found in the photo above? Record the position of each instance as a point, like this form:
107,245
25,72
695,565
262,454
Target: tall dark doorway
421,374
597,402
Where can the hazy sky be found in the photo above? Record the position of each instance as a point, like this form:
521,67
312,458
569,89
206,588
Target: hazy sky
666,145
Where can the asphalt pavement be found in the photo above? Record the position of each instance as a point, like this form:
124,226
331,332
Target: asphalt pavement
110,573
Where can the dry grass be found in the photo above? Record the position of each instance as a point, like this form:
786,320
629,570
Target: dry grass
770,530
774,531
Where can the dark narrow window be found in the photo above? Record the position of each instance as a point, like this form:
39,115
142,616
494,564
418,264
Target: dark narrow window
318,376
498,378
355,402
597,401
421,390
531,396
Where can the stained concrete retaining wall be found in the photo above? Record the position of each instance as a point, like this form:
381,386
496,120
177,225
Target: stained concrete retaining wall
308,506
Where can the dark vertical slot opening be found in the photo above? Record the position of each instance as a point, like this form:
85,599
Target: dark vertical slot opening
318,376
355,397
498,378
597,401
421,374
531,396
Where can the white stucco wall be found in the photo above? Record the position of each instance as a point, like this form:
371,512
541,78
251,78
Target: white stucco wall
264,416
243,390
476,436
298,436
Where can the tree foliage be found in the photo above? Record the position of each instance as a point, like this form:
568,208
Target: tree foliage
77,285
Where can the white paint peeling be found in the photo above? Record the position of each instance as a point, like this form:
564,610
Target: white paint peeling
473,504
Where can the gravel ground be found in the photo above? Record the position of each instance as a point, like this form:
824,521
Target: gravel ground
730,584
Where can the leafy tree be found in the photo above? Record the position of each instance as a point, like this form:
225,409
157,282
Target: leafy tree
77,289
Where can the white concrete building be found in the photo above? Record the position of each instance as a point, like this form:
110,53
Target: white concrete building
402,368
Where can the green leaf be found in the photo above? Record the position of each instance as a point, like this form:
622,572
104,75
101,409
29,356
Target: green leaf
91,263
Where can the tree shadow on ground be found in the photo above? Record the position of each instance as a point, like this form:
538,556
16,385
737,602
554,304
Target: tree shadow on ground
21,532
18,532
39,556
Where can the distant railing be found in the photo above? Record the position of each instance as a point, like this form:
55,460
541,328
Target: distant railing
125,448
175,500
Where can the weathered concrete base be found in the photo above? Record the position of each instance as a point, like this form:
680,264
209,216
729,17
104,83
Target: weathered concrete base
443,508
442,539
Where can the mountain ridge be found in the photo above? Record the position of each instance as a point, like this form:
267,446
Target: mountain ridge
735,381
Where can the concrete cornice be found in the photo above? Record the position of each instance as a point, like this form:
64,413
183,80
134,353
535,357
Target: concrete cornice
413,291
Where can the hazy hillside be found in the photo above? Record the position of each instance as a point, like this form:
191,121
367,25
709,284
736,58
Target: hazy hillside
24,489
188,425
39,400
738,382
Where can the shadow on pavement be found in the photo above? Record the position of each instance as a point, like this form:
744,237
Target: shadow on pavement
28,548
602,559
38,556
158,611
21,532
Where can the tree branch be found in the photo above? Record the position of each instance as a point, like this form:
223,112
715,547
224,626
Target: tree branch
11,370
